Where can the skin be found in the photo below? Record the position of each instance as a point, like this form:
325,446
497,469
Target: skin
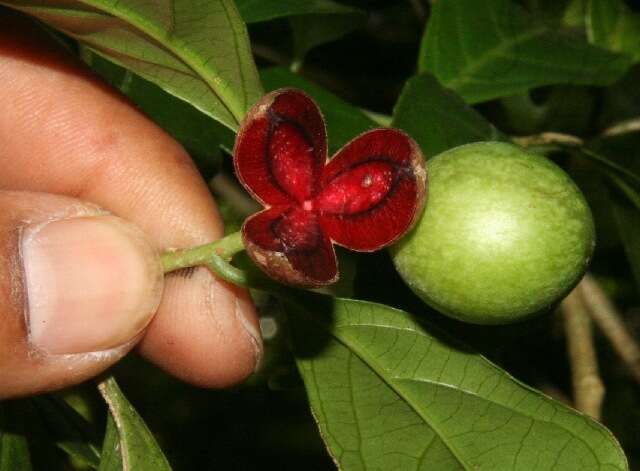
505,235
71,146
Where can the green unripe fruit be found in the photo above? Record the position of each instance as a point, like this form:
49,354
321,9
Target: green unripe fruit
505,235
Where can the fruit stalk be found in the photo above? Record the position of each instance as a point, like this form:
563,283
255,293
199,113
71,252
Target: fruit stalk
225,248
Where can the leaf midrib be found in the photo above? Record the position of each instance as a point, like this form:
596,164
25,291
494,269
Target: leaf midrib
157,38
378,370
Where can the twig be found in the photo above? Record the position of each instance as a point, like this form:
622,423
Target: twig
224,249
608,319
588,389
625,127
547,138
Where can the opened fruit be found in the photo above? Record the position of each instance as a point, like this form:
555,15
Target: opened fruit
364,199
505,234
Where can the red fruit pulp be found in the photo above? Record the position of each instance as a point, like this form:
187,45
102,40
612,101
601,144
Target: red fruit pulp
365,198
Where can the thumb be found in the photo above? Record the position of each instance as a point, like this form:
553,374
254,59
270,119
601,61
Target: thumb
78,287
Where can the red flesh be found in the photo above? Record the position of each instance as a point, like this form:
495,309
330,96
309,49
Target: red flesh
365,198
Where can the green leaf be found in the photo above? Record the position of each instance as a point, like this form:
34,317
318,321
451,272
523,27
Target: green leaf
574,14
344,121
197,50
498,49
437,118
255,11
71,432
138,447
614,26
111,455
14,447
389,393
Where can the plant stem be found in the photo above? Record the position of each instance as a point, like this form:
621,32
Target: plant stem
588,389
608,319
625,127
223,249
216,256
549,138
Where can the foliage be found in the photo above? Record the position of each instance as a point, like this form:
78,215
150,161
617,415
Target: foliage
390,382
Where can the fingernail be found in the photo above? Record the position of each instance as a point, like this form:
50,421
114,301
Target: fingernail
92,283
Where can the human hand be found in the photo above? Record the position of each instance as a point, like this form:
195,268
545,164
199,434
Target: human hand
90,192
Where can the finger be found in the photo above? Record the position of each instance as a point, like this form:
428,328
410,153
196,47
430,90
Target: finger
69,134
78,286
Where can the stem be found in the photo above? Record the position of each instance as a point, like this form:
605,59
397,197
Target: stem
625,127
228,272
216,257
549,138
588,389
608,319
223,249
